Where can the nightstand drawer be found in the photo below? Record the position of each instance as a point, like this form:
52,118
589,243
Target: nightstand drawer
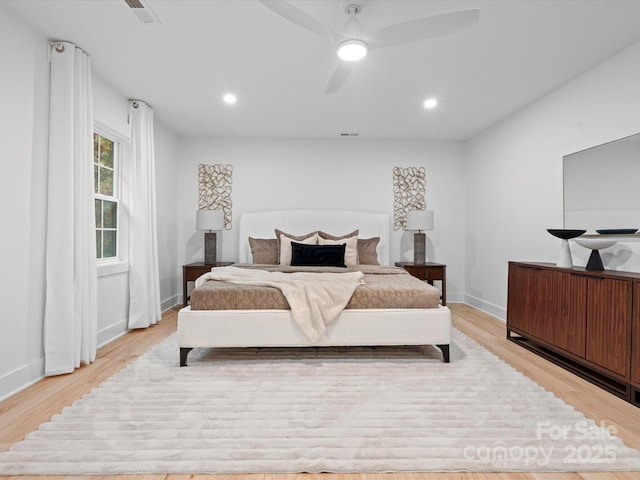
421,273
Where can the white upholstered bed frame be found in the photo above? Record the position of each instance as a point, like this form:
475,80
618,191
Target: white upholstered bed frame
276,328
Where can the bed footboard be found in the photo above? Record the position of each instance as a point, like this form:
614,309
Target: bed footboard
276,328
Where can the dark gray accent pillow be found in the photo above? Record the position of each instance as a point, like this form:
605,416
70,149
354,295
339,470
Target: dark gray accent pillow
303,255
300,238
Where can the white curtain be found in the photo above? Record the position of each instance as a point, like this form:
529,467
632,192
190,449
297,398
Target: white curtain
144,279
71,313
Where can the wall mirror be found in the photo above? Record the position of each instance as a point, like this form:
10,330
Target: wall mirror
601,186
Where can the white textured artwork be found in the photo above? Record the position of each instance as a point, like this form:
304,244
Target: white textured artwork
214,187
408,193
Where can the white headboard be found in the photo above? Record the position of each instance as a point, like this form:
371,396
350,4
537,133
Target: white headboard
299,222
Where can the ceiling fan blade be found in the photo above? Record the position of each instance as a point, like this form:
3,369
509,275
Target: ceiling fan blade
300,18
424,28
339,76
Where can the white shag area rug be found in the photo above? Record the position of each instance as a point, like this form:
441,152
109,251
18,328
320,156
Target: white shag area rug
318,410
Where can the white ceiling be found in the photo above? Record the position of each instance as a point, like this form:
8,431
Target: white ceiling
519,51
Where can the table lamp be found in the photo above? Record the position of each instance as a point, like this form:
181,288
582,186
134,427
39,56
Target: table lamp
419,220
210,220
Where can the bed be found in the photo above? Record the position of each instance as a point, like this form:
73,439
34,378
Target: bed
276,327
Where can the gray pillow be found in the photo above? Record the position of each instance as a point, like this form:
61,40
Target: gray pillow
264,250
367,254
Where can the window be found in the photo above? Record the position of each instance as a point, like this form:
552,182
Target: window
106,183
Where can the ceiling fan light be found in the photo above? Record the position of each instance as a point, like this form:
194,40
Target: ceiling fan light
230,98
430,103
352,50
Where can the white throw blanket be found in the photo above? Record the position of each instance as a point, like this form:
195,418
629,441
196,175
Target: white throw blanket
316,299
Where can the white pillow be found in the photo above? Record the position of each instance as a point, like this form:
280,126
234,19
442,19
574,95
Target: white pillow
285,246
350,252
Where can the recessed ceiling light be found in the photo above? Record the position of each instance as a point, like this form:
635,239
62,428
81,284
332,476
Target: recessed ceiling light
230,98
352,50
430,103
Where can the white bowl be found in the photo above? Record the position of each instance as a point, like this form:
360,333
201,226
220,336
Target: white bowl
595,243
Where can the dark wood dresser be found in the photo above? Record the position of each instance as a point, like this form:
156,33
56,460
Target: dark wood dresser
586,321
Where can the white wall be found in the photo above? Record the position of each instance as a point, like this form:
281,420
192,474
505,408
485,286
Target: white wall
24,87
351,174
167,168
514,175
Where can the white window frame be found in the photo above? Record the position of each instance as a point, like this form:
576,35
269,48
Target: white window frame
119,263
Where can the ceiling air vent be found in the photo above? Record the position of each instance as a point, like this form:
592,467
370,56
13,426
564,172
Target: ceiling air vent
349,134
142,11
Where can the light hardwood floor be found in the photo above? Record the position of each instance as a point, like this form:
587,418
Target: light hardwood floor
26,410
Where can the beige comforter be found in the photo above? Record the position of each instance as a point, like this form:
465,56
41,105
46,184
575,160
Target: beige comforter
384,287
315,298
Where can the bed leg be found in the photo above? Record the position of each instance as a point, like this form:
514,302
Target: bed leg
184,353
445,352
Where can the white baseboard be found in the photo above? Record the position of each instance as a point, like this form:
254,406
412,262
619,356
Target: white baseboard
494,310
171,302
21,378
113,331
119,328
25,376
455,298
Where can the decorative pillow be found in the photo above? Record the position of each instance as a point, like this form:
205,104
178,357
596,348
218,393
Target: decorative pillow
264,250
303,255
284,244
351,239
367,253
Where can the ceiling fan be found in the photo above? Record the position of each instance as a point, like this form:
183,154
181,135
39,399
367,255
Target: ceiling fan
352,44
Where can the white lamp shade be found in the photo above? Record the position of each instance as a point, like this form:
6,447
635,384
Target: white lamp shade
420,220
209,220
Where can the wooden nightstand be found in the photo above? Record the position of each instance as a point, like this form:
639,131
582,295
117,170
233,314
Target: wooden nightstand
428,271
192,271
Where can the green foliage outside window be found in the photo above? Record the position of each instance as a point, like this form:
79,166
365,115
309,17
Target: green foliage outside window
103,165
106,204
